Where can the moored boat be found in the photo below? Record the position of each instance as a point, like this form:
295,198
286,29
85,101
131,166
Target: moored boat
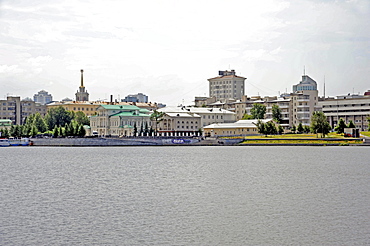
4,142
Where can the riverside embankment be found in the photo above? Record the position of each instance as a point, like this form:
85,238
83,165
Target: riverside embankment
198,142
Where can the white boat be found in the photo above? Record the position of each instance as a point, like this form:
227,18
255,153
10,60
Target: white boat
4,142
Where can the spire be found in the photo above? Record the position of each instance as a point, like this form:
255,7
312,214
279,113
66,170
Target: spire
82,78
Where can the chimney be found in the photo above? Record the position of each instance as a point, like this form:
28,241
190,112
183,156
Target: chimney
111,99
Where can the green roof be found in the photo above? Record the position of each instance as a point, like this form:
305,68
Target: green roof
130,114
126,126
120,107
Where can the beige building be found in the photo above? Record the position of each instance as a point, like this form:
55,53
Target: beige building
89,108
17,110
227,85
350,107
180,124
208,115
239,128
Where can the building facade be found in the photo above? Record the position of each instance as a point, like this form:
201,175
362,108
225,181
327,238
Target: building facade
140,98
227,85
208,115
17,110
119,120
353,108
239,128
43,97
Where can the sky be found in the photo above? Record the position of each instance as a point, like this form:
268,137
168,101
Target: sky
168,49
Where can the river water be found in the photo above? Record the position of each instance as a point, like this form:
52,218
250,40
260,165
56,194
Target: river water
185,195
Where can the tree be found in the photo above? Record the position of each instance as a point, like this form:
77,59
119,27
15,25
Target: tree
247,117
146,129
351,124
280,129
319,123
270,128
258,111
340,127
39,123
56,132
261,128
81,118
306,129
276,113
300,128
135,129
58,117
157,117
293,128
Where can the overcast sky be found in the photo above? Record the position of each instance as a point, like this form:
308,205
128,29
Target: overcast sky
168,49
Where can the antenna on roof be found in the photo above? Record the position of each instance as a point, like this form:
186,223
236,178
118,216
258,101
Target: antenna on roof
324,86
304,70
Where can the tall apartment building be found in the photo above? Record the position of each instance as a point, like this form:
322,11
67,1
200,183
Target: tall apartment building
81,94
227,85
43,97
17,110
140,97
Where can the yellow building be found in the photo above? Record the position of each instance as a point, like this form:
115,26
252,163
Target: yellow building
89,108
239,128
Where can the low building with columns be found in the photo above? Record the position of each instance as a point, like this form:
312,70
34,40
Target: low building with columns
119,120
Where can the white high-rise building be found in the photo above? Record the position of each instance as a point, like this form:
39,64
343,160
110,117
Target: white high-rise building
43,97
227,85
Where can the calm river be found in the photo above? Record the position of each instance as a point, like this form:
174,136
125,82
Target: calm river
185,196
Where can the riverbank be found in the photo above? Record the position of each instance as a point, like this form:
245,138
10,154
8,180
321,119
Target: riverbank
86,142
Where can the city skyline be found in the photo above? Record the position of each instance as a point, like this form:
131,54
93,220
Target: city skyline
168,50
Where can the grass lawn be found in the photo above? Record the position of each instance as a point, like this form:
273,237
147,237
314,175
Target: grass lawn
367,134
301,141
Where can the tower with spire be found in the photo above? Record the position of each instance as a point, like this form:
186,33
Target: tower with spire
81,94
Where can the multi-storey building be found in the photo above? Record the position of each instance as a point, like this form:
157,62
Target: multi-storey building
350,107
17,110
208,115
119,120
227,85
43,97
140,98
180,124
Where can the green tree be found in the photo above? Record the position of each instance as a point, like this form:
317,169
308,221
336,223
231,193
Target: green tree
340,126
306,129
293,128
258,111
261,127
276,113
33,131
300,128
319,123
58,117
146,129
280,129
351,124
56,132
5,133
81,118
135,129
247,117
81,131
270,128
39,123
157,117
